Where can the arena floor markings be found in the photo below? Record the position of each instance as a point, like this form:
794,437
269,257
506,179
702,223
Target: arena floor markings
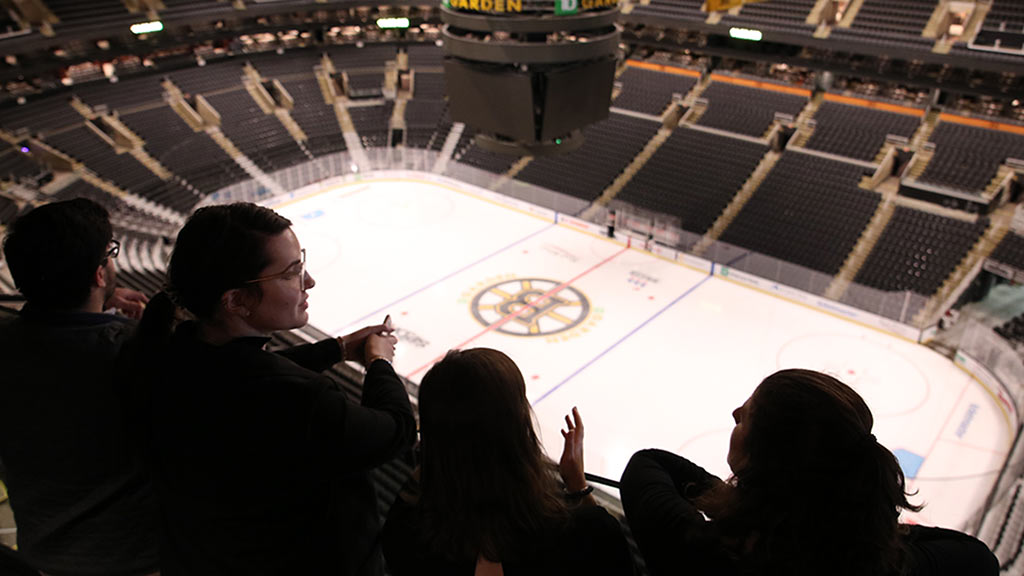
654,353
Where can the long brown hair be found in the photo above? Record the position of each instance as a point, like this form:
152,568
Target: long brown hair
816,490
487,487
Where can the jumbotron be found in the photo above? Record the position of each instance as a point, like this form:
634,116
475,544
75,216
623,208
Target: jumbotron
551,63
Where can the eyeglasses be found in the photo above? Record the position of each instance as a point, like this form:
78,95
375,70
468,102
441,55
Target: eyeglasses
293,270
114,250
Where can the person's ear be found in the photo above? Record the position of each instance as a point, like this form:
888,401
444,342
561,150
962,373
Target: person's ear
236,303
100,279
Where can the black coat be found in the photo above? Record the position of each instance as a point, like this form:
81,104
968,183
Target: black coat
590,544
674,537
262,463
78,489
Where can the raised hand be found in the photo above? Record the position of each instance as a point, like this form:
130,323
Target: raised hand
355,344
570,466
379,346
130,303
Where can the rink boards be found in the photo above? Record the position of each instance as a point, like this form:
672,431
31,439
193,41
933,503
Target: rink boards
656,349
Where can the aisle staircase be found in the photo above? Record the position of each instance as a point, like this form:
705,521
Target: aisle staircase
866,243
957,281
770,159
638,162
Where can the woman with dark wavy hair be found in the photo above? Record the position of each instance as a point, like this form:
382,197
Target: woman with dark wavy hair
485,499
812,492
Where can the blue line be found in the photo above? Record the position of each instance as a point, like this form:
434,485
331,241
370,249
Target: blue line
442,279
623,339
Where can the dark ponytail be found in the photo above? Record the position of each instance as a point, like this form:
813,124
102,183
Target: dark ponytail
139,362
218,249
155,327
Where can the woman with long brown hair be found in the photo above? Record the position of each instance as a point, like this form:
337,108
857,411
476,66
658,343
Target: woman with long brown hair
484,499
812,492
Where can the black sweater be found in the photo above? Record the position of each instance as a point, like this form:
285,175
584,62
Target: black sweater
590,544
80,497
261,463
657,491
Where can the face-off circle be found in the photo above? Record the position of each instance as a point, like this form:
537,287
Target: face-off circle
890,383
533,306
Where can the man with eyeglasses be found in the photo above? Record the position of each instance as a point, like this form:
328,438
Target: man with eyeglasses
125,301
81,501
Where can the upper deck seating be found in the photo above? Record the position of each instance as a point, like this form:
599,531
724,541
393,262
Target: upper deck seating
746,110
650,91
808,211
693,176
856,131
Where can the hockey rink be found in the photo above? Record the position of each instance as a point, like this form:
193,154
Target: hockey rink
654,353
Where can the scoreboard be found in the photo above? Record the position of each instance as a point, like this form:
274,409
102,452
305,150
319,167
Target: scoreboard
560,7
563,7
719,5
529,75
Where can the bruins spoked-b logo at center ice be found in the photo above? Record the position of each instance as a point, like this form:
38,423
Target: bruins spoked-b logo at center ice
530,307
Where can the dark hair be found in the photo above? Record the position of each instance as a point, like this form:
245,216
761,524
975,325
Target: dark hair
816,489
487,487
54,250
218,249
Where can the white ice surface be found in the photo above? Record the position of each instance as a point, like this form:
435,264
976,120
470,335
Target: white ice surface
663,356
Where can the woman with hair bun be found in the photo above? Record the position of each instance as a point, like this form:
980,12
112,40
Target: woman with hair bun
260,462
812,492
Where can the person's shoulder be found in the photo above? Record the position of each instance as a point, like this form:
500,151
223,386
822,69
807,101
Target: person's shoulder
594,520
268,367
84,330
594,524
8,320
116,329
933,551
594,542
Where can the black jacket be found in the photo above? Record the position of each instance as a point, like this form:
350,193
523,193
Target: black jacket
657,492
81,499
261,463
591,544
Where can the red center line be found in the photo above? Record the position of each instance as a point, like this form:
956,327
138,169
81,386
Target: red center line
517,313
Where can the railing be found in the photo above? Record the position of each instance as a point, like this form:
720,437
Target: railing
997,355
899,307
346,164
994,362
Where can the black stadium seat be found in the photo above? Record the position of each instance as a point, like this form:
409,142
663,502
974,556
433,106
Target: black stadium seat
966,158
650,91
746,110
918,250
809,211
693,176
857,132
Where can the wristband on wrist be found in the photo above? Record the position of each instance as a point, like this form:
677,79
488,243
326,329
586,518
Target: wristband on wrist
581,494
375,358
